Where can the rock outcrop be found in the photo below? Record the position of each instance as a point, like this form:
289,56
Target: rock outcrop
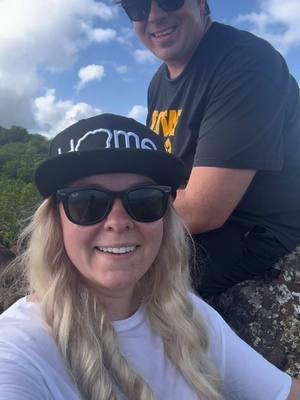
6,256
266,313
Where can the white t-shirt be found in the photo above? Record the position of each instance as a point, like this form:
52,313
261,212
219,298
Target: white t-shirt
31,367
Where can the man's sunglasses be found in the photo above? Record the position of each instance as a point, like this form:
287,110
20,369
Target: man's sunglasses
139,10
88,206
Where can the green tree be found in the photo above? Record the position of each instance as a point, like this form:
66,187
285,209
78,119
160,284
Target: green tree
20,153
18,200
14,134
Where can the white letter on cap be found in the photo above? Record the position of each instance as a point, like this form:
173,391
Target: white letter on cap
127,136
71,147
101,130
148,144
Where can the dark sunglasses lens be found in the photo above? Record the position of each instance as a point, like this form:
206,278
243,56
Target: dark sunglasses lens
87,207
170,5
147,204
137,10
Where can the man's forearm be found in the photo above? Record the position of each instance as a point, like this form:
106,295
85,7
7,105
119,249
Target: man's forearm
210,197
295,390
198,219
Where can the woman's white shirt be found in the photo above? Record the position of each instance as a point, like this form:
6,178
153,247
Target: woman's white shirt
31,366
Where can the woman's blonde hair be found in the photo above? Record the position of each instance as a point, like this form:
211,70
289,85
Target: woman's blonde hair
86,339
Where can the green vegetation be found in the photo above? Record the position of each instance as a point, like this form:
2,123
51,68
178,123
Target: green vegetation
20,153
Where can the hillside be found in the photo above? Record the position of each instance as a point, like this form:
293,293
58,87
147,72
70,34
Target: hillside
20,153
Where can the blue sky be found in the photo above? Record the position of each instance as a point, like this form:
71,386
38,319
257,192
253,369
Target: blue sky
64,60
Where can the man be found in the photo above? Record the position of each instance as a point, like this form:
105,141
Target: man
227,105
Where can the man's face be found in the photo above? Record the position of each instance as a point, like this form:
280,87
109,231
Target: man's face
173,36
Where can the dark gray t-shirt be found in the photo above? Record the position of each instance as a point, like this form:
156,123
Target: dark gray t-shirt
236,106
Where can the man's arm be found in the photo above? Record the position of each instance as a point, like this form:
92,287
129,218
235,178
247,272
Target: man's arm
210,196
295,390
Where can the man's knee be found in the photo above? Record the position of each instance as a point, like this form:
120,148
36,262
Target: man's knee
227,257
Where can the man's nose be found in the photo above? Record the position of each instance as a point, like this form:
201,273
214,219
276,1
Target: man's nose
156,13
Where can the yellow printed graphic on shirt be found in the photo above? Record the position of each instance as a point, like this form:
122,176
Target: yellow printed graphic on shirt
165,122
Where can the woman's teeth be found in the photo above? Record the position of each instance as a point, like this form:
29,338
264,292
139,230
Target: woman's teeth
116,250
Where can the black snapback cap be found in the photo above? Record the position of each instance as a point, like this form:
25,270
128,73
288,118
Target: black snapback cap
107,143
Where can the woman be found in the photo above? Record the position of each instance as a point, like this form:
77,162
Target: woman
110,314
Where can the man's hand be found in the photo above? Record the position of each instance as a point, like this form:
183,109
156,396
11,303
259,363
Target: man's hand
210,196
295,390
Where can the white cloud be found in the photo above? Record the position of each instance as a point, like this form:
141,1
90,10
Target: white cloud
143,56
126,36
52,115
121,69
139,113
100,35
277,21
90,73
37,35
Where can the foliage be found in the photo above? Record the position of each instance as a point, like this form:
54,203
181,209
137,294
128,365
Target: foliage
20,153
14,134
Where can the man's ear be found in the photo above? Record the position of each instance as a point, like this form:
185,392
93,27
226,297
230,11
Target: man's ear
202,4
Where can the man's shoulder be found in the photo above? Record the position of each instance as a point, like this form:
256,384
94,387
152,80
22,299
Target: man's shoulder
234,35
236,41
230,53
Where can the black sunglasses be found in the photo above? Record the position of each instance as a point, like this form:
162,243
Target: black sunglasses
88,206
139,10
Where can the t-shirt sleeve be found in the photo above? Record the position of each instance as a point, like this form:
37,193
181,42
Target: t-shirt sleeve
19,379
242,125
246,374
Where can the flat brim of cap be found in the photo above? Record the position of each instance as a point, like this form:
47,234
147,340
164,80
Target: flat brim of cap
56,173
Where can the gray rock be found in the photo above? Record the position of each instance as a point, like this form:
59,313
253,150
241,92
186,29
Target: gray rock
6,285
6,256
266,313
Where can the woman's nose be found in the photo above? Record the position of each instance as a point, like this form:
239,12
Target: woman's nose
118,219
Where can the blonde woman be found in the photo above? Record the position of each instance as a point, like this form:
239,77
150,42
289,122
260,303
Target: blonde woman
109,312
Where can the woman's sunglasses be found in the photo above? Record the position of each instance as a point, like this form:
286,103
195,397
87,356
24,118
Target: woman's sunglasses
139,10
88,206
